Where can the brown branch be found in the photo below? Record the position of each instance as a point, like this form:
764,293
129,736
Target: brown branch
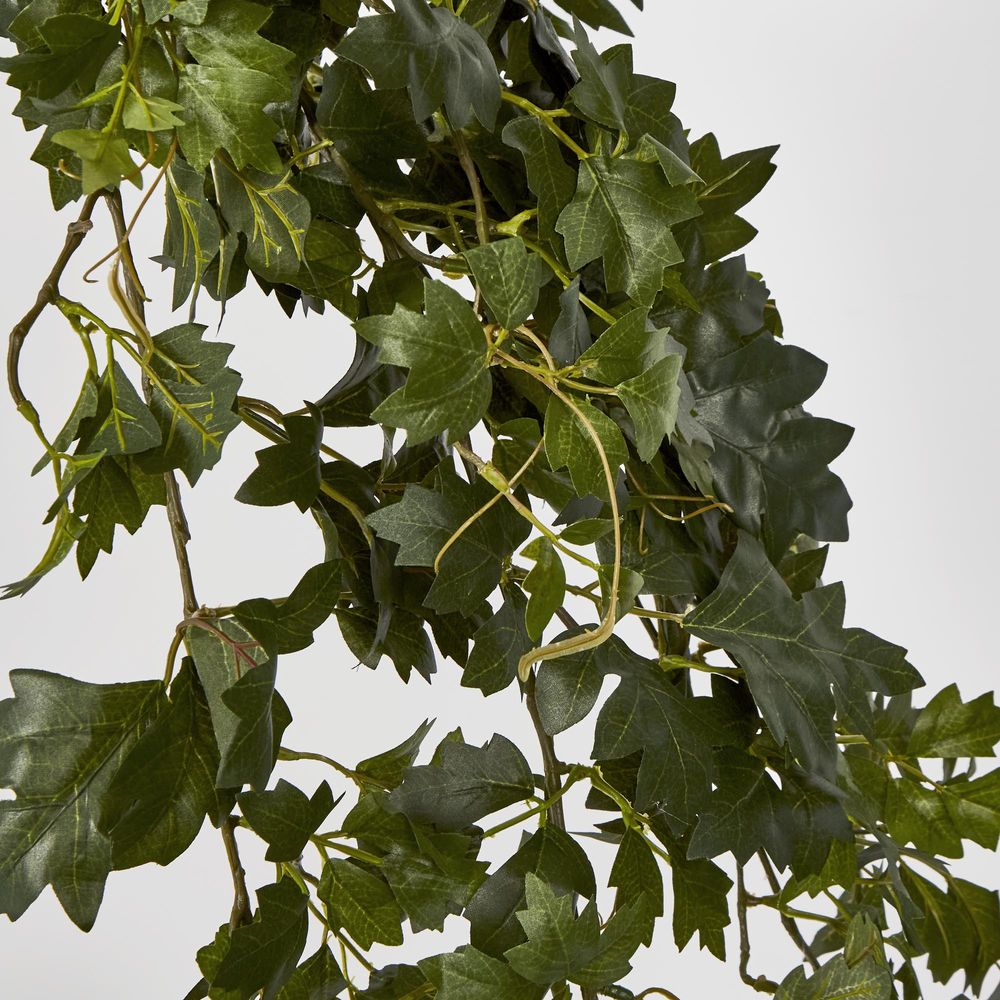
760,983
791,927
47,294
550,762
180,533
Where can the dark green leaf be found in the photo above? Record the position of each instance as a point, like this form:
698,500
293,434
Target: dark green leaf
389,767
285,817
263,954
159,797
498,645
467,784
949,727
287,472
700,904
317,978
471,975
61,742
437,55
546,585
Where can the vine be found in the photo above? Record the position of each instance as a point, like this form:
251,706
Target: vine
595,439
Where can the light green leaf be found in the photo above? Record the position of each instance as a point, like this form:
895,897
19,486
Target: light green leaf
150,114
623,211
361,903
836,980
625,350
568,443
449,385
105,158
509,277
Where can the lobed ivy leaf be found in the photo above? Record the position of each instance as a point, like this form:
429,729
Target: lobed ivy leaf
509,277
466,784
623,211
449,386
286,817
61,743
438,56
159,797
498,645
570,444
318,978
471,975
288,472
362,903
263,954
949,727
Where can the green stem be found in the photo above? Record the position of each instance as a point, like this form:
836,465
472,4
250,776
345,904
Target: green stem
547,119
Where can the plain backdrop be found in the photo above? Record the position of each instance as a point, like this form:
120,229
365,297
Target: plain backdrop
878,239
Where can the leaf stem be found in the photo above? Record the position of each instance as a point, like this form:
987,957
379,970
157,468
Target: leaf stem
547,119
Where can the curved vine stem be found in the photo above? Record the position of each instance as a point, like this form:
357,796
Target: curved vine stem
47,294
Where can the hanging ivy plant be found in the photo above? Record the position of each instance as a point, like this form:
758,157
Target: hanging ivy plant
594,429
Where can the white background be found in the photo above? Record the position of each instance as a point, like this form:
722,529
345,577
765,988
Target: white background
878,239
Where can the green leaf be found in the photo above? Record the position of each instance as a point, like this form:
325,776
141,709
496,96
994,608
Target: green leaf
650,713
561,945
68,48
636,876
389,767
471,975
974,808
466,784
228,36
263,954
960,927
746,813
442,60
123,423
272,217
423,521
550,178
546,583
868,980
729,183
150,114
61,742
770,459
193,400
361,903
596,13
700,904
567,687
287,626
159,797
569,444
449,386
116,492
949,727
651,400
288,472
405,641
317,978
623,211
498,645
224,105
285,817
434,879
239,683
509,277
193,235
625,350
792,651
331,255
105,158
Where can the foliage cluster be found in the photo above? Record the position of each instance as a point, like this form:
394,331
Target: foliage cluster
554,310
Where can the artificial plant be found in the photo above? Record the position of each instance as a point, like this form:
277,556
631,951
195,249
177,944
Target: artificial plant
572,366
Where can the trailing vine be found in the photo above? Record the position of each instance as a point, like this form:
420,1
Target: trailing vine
597,465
